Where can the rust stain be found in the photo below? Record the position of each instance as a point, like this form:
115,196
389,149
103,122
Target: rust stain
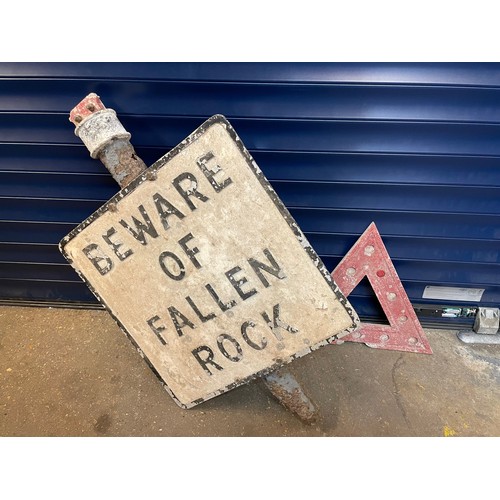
294,402
287,390
129,165
120,158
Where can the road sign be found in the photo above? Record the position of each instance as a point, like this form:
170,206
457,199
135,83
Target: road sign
205,270
369,257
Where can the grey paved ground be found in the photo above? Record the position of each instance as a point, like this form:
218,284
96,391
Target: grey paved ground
66,372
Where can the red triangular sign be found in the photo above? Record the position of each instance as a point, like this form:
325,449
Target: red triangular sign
368,257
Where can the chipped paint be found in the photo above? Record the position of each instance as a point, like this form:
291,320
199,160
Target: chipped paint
100,129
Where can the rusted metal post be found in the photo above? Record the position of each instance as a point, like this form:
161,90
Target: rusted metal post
287,390
106,139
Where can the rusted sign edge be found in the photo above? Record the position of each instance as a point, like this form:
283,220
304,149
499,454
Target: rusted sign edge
150,174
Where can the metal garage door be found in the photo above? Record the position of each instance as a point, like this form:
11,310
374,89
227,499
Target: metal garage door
413,147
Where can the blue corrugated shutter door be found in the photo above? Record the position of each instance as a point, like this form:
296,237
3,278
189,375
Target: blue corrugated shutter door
413,147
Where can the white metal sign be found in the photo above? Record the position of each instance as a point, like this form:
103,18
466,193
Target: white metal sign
205,270
453,293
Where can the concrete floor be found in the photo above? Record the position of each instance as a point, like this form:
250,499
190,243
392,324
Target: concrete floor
68,372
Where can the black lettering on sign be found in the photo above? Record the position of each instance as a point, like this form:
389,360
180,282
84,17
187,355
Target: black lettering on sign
191,190
223,306
258,267
141,227
115,245
208,358
210,173
277,322
244,327
224,337
238,283
179,325
165,210
180,271
194,307
157,329
100,260
190,252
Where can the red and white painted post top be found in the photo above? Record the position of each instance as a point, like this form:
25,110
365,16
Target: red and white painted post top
96,125
85,108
